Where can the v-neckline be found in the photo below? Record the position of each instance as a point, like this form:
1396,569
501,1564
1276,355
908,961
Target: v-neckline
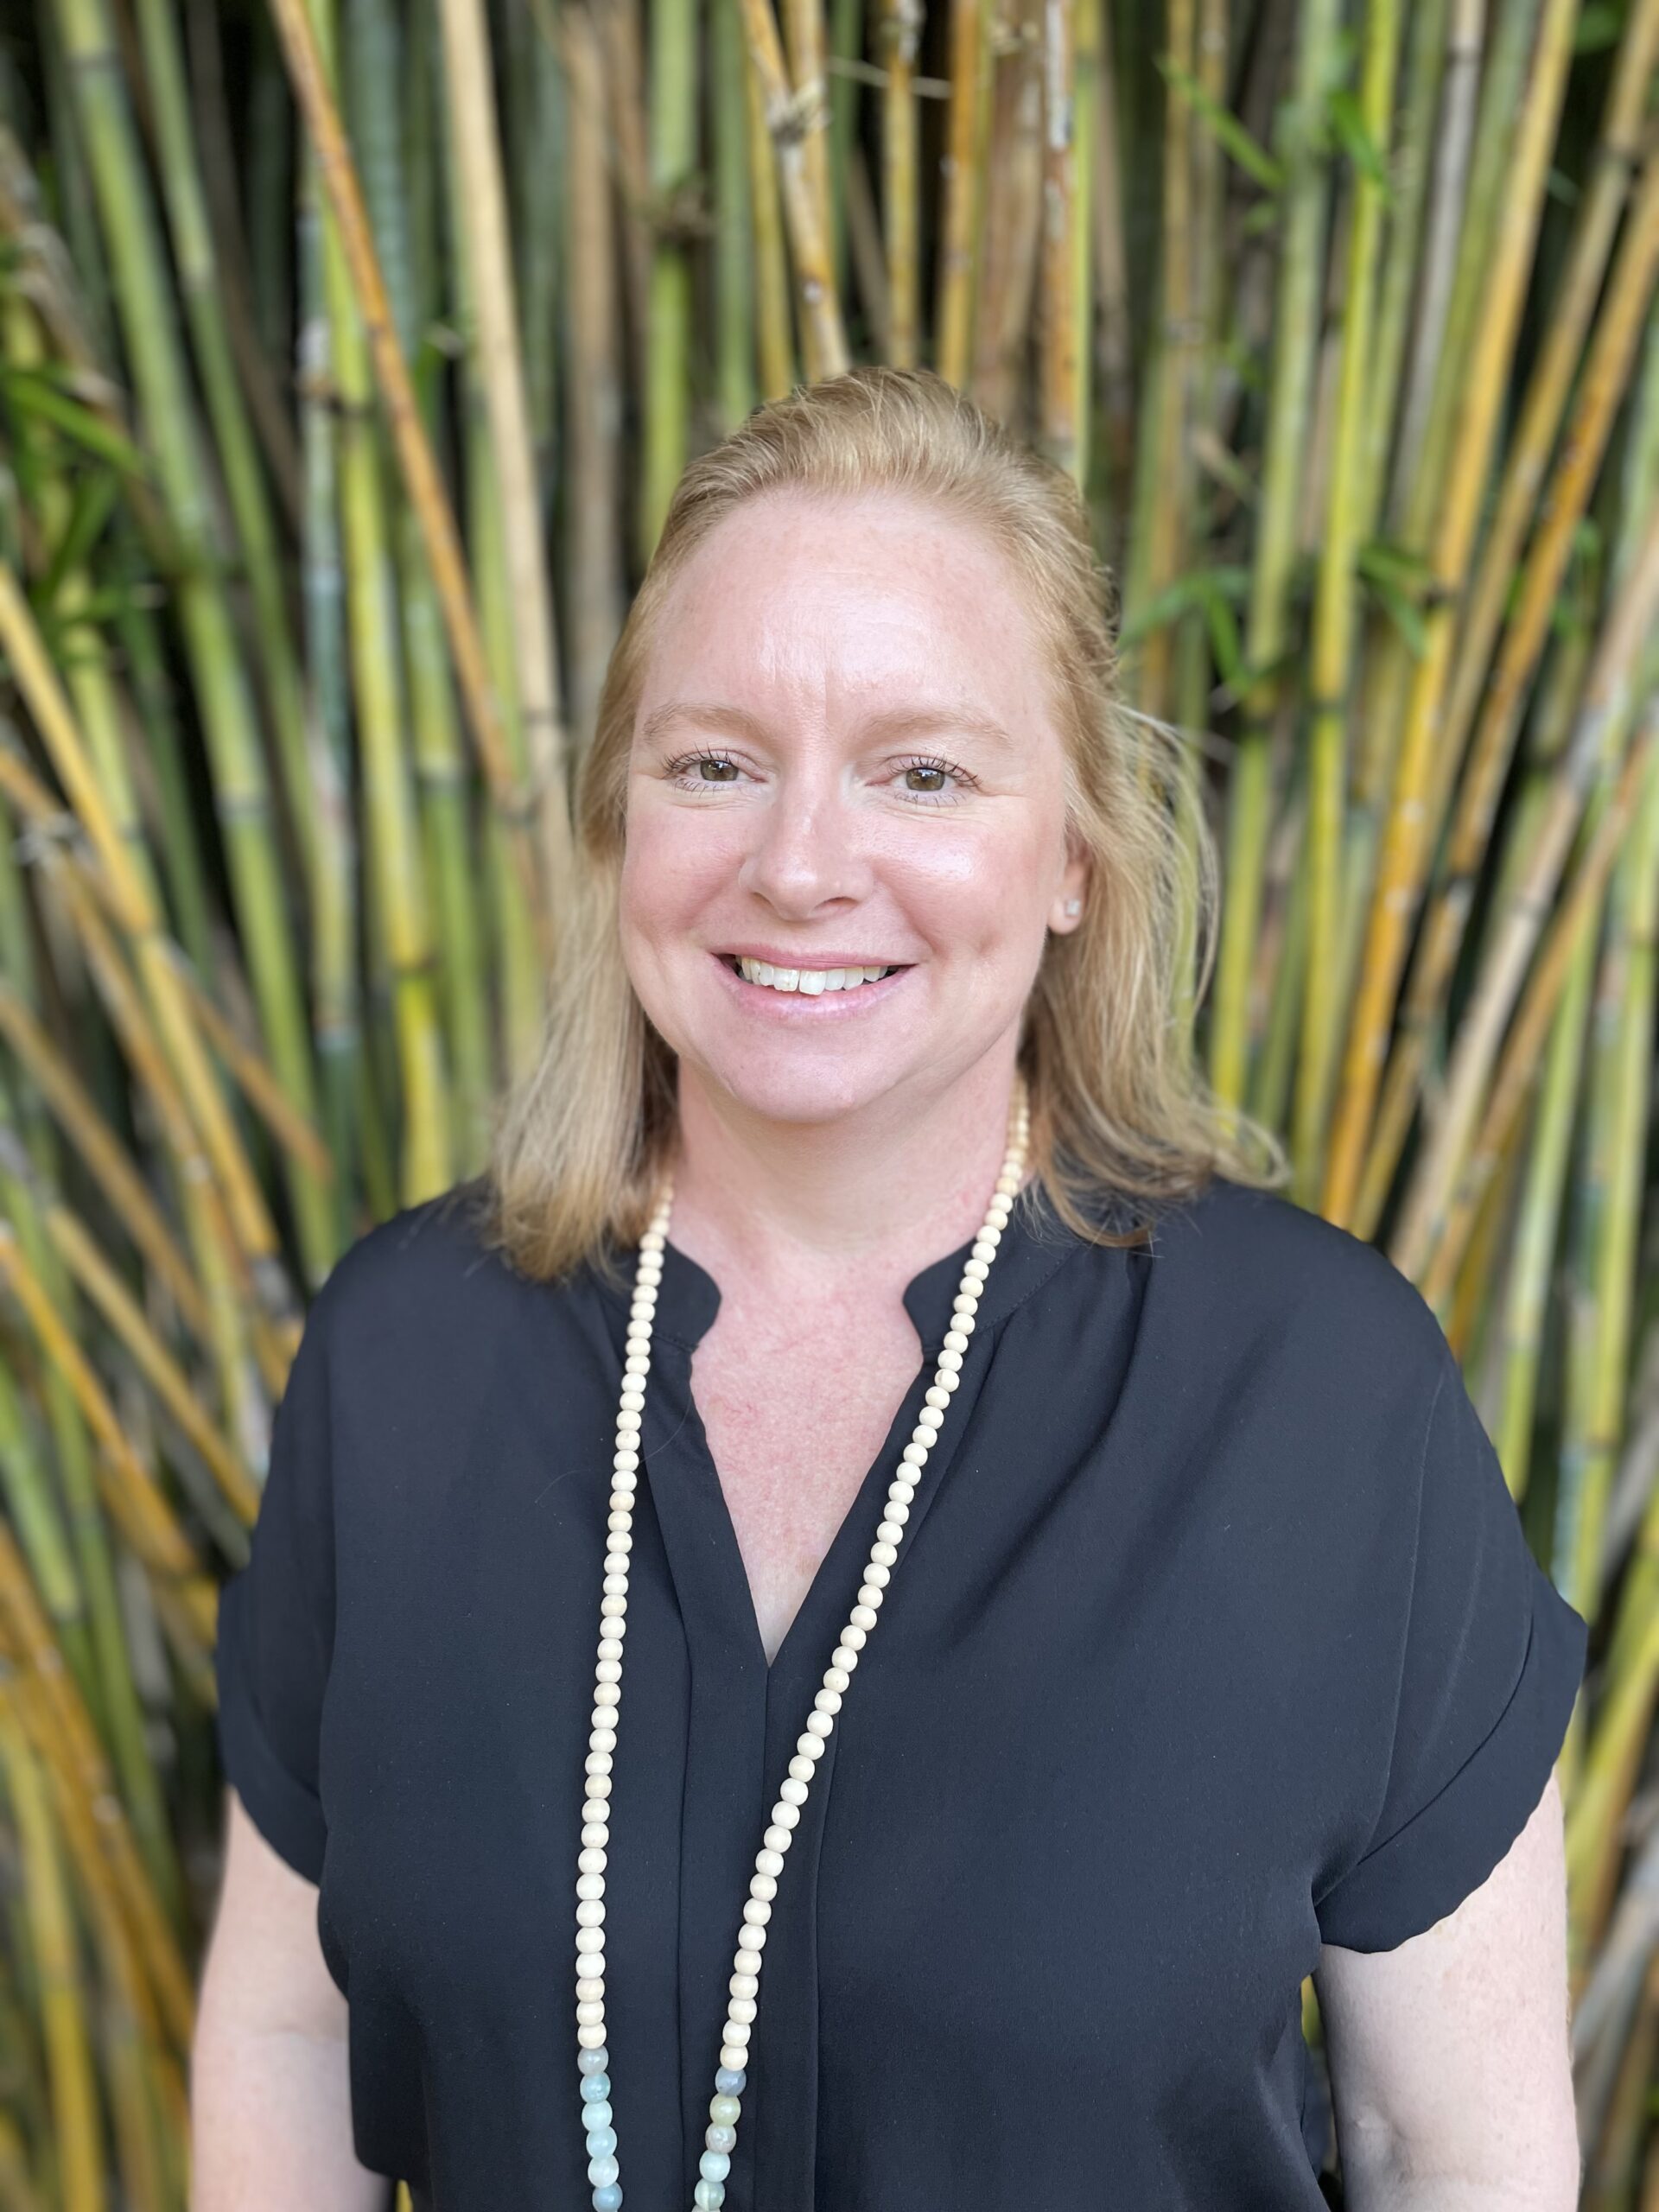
675,1443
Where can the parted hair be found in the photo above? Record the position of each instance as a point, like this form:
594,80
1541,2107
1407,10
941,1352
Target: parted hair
1122,1123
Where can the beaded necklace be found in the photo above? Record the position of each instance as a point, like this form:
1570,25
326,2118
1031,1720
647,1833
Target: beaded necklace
604,2169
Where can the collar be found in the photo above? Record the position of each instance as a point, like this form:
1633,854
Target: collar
1035,1244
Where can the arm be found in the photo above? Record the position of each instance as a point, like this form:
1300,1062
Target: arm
1451,2073
270,2087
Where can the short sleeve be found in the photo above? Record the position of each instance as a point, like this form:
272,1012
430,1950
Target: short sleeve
1493,1657
277,1621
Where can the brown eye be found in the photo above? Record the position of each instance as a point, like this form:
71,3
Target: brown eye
710,761
924,771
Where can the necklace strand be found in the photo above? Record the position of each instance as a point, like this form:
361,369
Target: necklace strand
719,2139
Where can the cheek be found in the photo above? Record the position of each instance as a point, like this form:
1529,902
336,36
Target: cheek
670,866
983,886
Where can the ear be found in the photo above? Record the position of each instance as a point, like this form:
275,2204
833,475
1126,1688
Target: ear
1070,900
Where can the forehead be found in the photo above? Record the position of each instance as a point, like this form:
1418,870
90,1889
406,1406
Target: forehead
857,602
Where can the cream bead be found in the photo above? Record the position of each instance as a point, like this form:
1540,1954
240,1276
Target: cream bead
744,1985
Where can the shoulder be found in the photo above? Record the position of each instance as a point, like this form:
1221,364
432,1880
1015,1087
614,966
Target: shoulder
1252,1269
424,1264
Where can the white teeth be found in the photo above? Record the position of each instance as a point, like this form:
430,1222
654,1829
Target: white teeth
807,982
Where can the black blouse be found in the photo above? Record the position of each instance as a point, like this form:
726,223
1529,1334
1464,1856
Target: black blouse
1214,1636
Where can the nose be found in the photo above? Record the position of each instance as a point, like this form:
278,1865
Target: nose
807,850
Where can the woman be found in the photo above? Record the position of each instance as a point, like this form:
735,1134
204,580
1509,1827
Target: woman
1068,1594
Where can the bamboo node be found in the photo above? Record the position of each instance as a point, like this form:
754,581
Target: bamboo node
806,108
679,214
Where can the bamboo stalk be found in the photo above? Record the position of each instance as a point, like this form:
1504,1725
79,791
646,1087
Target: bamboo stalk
516,806
1403,851
478,154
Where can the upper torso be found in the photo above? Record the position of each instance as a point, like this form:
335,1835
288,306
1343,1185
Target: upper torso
1125,1718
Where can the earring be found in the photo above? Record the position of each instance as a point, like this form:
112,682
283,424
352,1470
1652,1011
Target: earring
1074,905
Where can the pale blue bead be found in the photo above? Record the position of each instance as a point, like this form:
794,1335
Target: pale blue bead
608,2199
730,2081
714,2166
710,2195
601,2142
598,2113
595,2087
719,2138
600,2170
593,2061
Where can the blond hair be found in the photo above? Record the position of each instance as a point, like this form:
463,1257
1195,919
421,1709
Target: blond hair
1119,1113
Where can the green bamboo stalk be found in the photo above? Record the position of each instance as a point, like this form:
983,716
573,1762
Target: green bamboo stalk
241,787
1267,629
202,289
482,204
734,270
441,775
673,111
1331,654
397,881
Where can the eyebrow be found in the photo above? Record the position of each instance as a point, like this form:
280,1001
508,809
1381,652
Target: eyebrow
894,722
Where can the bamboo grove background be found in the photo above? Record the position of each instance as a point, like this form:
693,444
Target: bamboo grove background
349,352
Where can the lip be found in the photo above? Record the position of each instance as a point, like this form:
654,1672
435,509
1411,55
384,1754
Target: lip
760,999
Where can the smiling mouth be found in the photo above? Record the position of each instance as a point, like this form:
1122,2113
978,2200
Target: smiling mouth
804,982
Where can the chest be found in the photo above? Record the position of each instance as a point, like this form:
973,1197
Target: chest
793,1437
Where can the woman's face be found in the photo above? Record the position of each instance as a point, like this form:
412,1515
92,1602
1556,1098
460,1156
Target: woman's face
844,758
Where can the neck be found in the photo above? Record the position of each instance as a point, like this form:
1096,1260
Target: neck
894,1185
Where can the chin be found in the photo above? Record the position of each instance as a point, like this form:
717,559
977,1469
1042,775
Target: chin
802,1094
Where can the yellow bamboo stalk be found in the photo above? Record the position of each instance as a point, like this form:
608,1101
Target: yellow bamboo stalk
140,921
136,1505
1525,1044
789,118
224,1267
516,805
1057,317
953,313
1604,382
1400,866
900,36
104,1286
805,46
62,1733
252,1069
774,339
1559,357
478,154
104,1155
1427,1207
71,2069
